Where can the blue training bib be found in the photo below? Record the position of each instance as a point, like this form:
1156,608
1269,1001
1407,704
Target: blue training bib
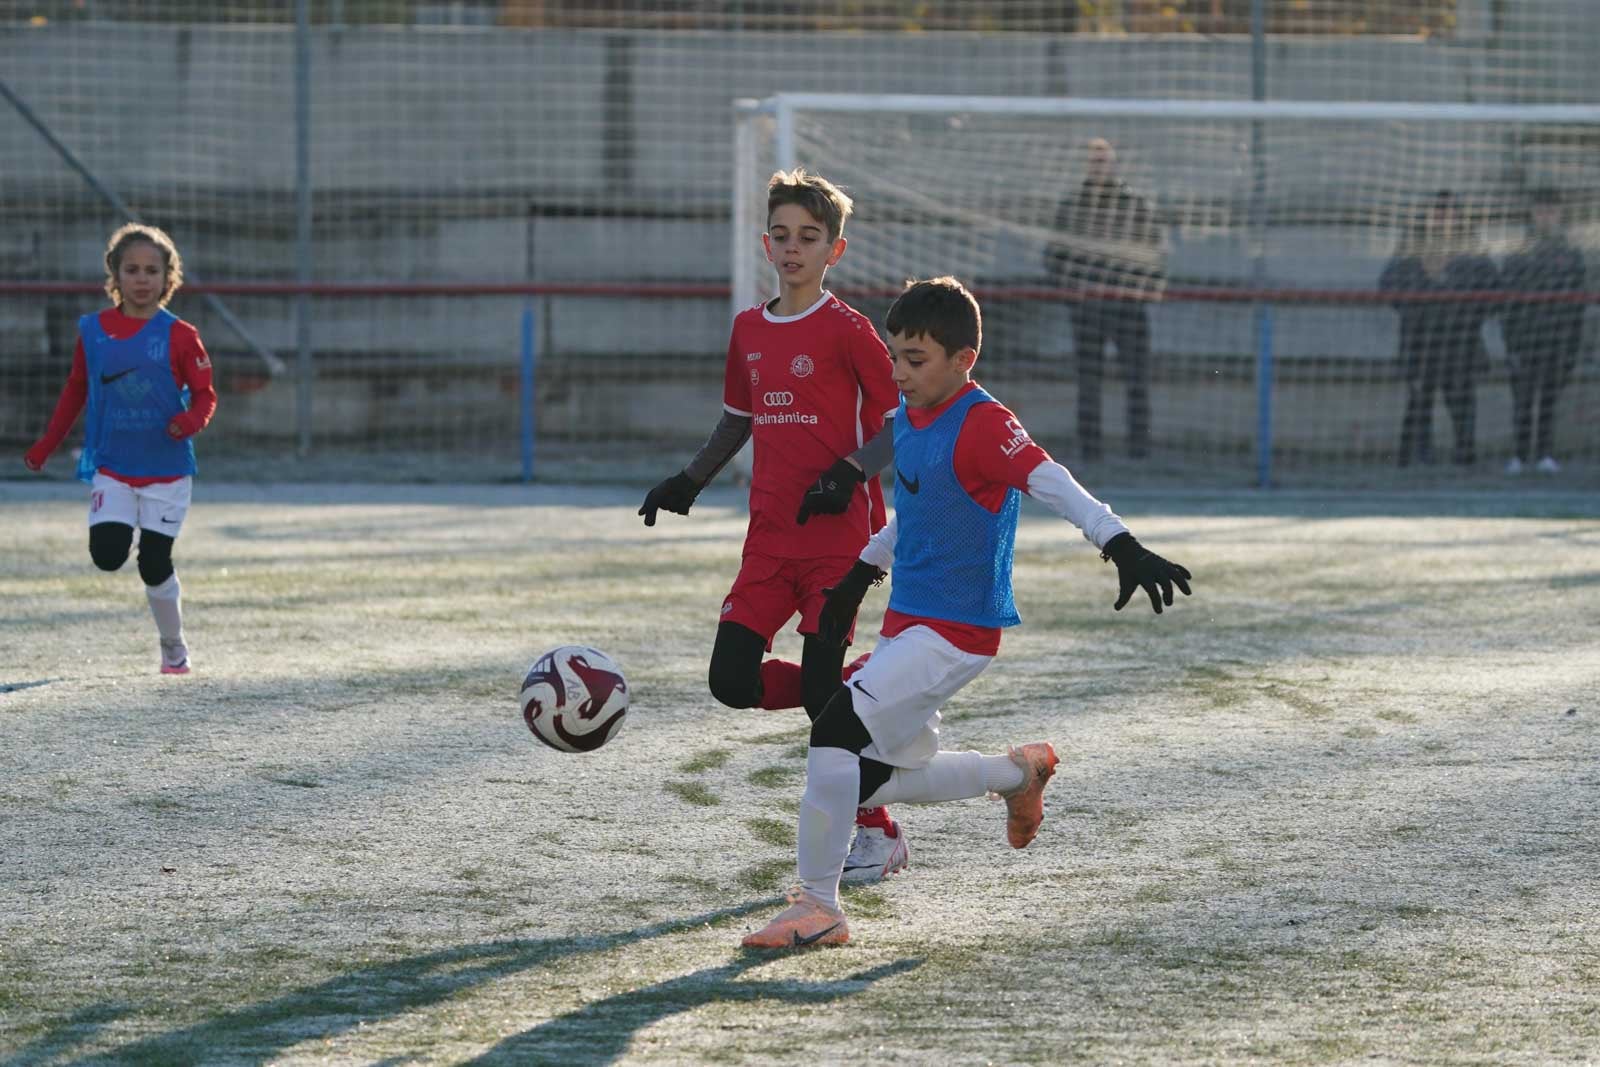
132,398
952,556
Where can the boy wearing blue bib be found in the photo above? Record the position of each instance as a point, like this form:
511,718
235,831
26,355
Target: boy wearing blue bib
962,461
144,379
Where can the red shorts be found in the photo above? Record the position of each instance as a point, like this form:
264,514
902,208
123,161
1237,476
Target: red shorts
768,591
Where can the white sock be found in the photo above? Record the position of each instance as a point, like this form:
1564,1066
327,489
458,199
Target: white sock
165,606
949,776
827,817
1002,775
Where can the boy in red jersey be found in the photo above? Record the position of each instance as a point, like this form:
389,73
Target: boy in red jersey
962,461
146,380
809,379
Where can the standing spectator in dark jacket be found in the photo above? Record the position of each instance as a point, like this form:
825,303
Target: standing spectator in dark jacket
1441,340
1107,248
1542,339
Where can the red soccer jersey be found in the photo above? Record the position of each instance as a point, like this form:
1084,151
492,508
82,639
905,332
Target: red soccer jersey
191,366
816,387
993,454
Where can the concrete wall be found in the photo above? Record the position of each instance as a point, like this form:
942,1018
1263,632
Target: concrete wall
504,155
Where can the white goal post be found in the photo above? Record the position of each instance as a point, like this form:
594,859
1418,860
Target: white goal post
1276,221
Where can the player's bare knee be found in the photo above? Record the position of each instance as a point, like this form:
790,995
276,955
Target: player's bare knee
109,543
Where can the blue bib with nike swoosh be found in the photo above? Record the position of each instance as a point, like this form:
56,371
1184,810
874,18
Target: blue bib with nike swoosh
132,398
952,555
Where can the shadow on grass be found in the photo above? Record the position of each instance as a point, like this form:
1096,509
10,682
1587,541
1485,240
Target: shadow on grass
261,1032
75,1029
12,687
599,1033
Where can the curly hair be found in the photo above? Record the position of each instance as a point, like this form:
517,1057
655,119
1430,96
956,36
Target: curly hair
131,234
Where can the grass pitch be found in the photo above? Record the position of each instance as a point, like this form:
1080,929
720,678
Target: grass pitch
1340,806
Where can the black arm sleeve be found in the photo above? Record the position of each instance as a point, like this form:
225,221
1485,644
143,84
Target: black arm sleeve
731,432
877,453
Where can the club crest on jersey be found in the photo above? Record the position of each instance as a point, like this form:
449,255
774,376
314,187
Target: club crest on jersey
134,389
801,366
1019,439
156,351
755,376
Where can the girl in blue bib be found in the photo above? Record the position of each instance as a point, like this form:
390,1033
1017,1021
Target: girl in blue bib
143,379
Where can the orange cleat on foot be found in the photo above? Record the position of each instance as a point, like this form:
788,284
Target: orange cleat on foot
801,925
1025,806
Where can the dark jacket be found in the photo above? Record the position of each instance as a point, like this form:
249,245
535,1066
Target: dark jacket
1445,336
1549,265
1107,236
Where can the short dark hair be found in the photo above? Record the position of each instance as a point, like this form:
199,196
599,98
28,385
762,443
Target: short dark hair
822,200
941,308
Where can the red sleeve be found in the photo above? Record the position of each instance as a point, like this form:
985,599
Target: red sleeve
875,371
994,453
74,394
191,366
735,381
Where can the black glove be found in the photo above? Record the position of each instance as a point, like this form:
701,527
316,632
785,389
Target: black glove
675,494
844,600
831,493
1138,566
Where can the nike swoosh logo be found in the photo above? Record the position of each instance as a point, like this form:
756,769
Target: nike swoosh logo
863,688
912,485
801,942
107,379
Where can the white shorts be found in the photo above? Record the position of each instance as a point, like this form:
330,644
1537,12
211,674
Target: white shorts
160,508
897,693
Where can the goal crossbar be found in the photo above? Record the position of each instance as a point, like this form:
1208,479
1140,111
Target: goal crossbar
1219,110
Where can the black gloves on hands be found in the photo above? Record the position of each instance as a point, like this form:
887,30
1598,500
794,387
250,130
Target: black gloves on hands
831,493
1137,567
675,494
844,600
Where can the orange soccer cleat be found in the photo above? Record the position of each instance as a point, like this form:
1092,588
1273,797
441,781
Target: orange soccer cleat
1025,806
802,924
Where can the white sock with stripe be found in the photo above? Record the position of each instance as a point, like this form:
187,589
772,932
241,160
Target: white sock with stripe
827,818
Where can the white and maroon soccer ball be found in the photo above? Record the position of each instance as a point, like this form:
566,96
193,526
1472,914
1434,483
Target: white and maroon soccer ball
574,698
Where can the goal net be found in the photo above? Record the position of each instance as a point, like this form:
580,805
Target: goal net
423,236
1309,291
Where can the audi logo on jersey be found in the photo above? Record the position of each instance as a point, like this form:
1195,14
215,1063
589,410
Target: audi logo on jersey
778,398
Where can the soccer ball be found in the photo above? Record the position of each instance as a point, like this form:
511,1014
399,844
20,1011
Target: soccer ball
574,698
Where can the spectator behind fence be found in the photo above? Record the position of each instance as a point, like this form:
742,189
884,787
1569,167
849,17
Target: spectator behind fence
1107,247
1542,339
1441,341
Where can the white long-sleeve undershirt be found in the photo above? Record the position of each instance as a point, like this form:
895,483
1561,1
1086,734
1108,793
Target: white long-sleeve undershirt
1053,485
1050,484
